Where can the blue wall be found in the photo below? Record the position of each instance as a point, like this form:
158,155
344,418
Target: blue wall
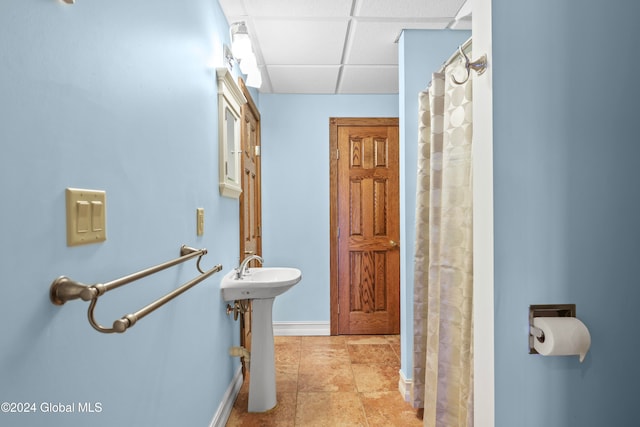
567,204
421,52
119,96
295,190
295,176
129,89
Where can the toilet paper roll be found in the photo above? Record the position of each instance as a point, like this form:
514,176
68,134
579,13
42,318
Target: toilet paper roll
563,336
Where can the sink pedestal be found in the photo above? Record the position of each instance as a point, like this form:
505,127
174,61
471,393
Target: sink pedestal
261,285
262,371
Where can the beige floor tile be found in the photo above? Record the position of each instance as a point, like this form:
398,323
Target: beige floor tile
333,381
326,377
322,340
372,353
283,415
376,377
287,353
287,339
367,339
327,353
287,377
388,409
329,409
393,338
396,349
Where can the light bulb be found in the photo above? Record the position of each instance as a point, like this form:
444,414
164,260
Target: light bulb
240,41
248,63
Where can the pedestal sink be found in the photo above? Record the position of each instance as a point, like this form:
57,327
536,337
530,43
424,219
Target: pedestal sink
261,285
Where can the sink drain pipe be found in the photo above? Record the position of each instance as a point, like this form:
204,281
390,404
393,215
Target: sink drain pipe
241,352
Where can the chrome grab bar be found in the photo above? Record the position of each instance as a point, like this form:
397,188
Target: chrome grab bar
64,289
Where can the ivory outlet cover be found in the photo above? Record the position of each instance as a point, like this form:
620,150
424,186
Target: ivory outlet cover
199,221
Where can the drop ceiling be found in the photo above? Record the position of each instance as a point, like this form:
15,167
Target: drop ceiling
337,46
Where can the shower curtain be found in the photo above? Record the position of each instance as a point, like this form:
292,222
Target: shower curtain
443,284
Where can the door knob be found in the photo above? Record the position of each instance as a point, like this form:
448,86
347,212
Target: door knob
393,243
248,252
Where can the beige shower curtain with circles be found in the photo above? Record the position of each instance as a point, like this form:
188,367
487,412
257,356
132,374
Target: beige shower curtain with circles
443,286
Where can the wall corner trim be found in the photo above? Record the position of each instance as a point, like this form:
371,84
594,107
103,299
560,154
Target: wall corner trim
405,387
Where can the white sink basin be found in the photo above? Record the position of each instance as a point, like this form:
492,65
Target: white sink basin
259,283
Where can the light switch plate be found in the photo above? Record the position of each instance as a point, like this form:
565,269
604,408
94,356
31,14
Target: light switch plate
86,216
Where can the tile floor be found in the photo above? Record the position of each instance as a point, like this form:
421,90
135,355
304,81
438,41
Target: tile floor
333,381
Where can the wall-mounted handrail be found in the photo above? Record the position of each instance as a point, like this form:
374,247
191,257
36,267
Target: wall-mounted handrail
64,289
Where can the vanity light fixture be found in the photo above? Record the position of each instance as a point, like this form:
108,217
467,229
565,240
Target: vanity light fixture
69,1
242,52
254,79
248,63
240,41
228,58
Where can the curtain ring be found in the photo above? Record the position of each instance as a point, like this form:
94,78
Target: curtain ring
478,66
466,67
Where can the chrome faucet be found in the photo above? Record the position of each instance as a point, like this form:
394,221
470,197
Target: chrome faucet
241,271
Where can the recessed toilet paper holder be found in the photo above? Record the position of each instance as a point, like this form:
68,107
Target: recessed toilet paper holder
546,310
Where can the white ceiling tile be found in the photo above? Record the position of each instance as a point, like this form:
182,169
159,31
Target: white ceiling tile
408,8
297,8
302,45
291,42
307,79
232,8
373,43
369,79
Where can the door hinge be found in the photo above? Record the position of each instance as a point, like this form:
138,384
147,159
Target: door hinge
337,154
338,232
257,150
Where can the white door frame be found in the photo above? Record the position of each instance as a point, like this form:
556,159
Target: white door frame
483,262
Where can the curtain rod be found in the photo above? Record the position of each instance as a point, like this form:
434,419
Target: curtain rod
464,46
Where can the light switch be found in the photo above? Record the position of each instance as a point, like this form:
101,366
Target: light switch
97,215
86,216
199,221
83,217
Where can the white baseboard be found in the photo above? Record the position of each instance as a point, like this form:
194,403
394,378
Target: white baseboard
405,386
301,328
224,409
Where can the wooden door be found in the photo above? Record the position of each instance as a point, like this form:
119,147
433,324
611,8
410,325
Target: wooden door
250,199
365,215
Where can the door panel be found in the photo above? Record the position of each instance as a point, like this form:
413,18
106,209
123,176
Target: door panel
365,209
250,200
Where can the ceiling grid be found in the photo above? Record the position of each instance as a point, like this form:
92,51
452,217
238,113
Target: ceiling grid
337,46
